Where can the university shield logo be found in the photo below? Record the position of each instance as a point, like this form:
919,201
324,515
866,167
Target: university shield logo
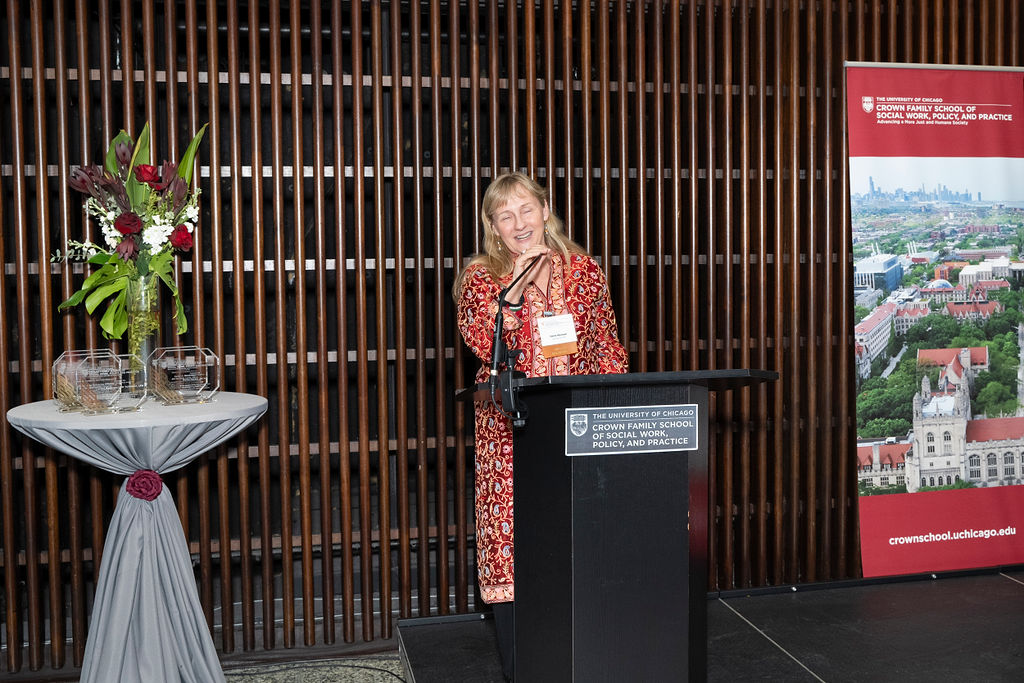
867,103
578,424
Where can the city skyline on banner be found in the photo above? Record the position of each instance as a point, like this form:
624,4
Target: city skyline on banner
939,334
994,179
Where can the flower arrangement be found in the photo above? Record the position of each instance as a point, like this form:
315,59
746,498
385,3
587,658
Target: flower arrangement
147,215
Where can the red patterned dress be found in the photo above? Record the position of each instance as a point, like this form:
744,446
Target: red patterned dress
577,287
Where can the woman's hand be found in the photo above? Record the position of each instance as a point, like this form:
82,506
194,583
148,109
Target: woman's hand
539,273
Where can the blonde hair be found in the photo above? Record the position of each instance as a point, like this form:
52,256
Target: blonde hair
496,258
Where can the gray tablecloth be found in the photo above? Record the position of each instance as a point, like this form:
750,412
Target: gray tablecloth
147,621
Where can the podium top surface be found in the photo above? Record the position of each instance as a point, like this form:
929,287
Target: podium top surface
714,380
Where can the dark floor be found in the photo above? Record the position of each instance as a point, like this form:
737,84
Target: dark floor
961,628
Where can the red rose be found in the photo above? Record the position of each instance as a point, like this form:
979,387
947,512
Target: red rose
144,484
181,239
145,173
128,223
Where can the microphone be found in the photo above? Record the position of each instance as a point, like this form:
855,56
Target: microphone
499,350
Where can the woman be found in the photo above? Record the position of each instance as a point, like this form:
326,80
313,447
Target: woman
565,285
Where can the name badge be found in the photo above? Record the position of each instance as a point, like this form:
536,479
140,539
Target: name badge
557,335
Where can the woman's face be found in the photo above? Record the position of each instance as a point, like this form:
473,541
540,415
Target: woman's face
519,222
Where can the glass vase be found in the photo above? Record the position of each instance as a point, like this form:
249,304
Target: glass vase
142,304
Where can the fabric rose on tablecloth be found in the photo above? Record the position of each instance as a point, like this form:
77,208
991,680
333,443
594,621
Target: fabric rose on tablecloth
145,484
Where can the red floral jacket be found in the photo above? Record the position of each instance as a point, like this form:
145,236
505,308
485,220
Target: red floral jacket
577,287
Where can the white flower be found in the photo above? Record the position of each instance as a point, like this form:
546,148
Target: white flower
106,220
156,234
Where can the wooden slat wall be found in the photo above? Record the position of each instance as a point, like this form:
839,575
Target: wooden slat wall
697,148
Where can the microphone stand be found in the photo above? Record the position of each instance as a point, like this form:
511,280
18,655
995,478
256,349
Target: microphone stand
503,360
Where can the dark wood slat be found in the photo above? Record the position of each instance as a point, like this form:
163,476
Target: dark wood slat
12,604
256,144
246,532
565,199
747,456
809,251
296,47
419,219
604,146
585,58
677,166
126,56
361,221
383,302
216,336
794,294
828,201
320,223
510,110
624,308
658,132
441,391
693,144
550,58
22,249
763,504
405,583
638,203
462,527
530,91
43,215
342,308
280,203
782,561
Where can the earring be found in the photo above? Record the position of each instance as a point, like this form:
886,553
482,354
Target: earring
545,228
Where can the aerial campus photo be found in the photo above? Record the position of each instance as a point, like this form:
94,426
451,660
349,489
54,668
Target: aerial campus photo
938,247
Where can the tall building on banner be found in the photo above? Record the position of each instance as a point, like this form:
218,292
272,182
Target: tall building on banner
1020,370
878,271
949,446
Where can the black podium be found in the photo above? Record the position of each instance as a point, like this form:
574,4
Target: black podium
611,538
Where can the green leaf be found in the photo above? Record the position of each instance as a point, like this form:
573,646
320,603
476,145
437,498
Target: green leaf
188,159
100,258
179,315
140,155
138,192
142,264
107,271
104,291
73,300
168,280
160,263
115,321
111,161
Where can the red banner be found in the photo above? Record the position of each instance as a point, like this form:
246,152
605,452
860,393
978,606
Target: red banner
937,211
942,530
935,112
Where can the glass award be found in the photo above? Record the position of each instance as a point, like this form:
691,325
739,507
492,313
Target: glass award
183,374
64,378
98,386
134,389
